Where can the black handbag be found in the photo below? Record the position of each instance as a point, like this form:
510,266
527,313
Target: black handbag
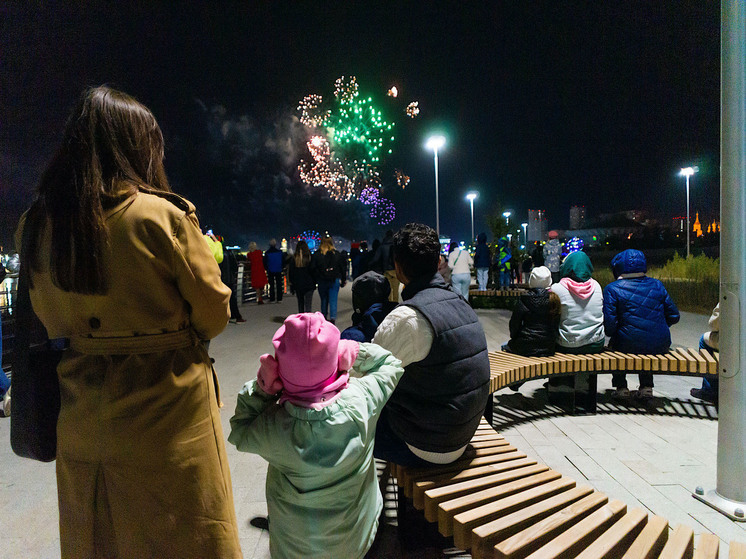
35,385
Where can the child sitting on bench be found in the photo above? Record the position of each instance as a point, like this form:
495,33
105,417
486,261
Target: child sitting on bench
638,312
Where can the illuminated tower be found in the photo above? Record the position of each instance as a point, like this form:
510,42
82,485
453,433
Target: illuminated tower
697,228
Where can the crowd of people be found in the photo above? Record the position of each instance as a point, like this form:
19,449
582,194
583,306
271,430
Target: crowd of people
121,270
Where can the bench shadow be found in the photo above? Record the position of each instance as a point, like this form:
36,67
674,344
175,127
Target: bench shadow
514,408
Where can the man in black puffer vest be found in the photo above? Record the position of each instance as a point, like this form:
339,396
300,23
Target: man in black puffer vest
438,403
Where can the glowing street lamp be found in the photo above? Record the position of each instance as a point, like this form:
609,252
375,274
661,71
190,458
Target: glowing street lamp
435,143
471,196
687,172
507,215
525,238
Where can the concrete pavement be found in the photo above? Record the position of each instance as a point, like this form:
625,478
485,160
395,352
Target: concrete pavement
647,457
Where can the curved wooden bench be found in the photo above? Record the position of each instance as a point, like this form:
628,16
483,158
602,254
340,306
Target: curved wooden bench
510,368
514,292
498,503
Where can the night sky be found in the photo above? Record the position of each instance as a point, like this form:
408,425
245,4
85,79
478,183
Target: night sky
544,104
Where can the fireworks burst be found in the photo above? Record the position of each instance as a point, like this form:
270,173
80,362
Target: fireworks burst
346,89
401,179
383,211
413,109
351,138
311,114
369,195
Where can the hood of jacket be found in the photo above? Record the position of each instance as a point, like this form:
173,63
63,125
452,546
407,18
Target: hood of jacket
577,266
629,261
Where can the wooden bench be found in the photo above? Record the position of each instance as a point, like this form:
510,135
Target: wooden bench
509,368
513,292
499,503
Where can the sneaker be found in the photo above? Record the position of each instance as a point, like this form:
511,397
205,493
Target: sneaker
261,522
240,320
232,320
620,393
700,394
645,392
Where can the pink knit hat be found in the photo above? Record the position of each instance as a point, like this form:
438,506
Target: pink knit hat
312,361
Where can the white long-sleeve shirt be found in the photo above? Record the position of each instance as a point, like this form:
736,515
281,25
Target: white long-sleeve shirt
460,261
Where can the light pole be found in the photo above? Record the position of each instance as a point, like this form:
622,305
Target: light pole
687,172
435,143
525,238
471,196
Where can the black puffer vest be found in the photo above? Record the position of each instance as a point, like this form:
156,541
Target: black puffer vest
438,402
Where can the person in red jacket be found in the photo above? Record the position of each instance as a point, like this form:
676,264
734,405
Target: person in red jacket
258,273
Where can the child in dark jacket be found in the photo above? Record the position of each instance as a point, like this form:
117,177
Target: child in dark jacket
637,314
535,319
370,300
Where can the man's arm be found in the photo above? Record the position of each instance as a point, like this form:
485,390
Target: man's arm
406,334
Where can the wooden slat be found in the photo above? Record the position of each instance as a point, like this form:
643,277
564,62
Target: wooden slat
687,363
420,486
436,495
406,476
464,522
736,550
571,541
708,547
651,540
701,363
680,544
533,537
446,510
618,538
655,362
497,530
712,364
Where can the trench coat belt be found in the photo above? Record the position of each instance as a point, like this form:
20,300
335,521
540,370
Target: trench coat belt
146,343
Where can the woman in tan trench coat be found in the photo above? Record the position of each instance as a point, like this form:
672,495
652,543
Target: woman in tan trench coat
120,268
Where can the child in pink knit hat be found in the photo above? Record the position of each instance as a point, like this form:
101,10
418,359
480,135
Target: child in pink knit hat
315,425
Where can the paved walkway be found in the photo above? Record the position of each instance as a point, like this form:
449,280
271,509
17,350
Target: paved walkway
648,457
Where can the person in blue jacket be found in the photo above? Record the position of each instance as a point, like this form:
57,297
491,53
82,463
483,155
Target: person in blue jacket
370,301
638,312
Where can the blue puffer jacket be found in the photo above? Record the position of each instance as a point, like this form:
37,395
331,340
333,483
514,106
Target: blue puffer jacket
637,309
482,252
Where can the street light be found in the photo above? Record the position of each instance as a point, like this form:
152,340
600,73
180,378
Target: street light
471,196
507,215
687,172
525,238
435,143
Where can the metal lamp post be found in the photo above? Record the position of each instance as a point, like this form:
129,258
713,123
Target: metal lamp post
471,196
435,143
525,238
687,172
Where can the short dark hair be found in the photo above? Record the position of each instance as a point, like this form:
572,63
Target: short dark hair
417,250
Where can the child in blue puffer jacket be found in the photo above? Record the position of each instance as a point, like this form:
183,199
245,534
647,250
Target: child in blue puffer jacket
637,314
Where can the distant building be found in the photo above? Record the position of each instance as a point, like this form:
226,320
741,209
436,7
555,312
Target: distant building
616,217
537,226
577,217
679,224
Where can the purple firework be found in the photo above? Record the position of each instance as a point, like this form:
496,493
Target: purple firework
383,211
369,195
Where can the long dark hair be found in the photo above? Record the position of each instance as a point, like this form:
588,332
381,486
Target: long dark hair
112,146
302,254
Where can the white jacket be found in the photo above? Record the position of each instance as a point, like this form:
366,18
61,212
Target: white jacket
460,261
581,320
